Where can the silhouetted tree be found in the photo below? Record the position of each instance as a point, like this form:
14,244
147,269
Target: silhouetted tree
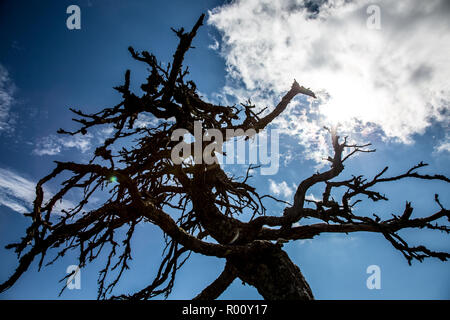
202,199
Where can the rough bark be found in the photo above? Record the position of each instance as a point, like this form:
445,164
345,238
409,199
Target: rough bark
269,269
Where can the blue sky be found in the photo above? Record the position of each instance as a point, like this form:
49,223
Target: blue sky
46,68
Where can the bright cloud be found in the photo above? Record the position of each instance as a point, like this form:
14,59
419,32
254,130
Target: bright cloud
53,144
146,121
281,188
18,193
311,197
393,81
444,145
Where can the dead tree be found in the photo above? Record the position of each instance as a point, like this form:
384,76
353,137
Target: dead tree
203,201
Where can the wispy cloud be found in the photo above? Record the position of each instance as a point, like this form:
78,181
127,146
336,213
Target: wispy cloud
444,145
7,89
18,193
392,81
53,144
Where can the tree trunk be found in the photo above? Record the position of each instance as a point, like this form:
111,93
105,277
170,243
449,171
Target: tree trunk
269,269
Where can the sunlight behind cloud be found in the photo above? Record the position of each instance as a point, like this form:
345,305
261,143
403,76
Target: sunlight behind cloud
394,80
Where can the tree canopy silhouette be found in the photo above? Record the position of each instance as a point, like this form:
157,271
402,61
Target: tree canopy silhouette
197,205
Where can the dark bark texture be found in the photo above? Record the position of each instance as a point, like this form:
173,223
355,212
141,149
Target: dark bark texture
270,270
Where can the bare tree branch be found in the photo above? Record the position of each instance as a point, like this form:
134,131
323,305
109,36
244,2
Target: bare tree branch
188,202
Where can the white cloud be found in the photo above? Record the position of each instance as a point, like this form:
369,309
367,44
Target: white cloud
14,205
444,145
53,144
281,188
215,45
146,121
7,89
392,81
103,134
311,197
18,193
